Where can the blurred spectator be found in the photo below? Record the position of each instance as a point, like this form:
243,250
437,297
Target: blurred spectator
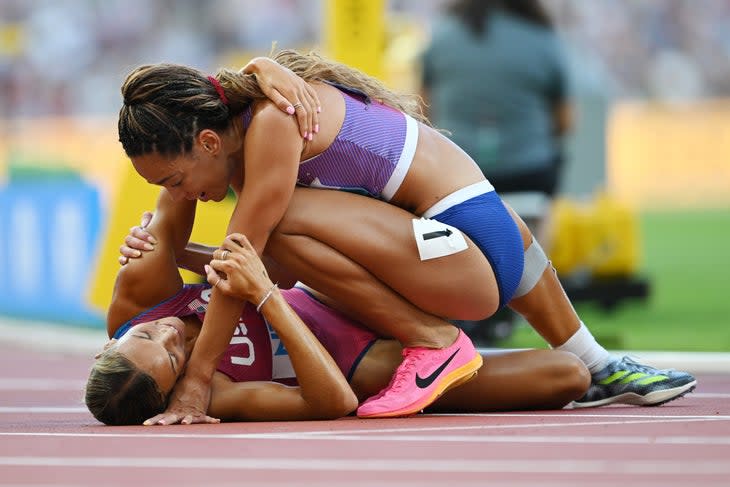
69,56
630,36
495,76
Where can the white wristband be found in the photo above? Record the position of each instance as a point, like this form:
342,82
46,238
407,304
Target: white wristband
266,296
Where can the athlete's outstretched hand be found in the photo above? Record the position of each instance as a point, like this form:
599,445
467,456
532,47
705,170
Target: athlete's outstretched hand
138,240
188,404
290,93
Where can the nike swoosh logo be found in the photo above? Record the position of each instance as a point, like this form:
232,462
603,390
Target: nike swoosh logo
427,381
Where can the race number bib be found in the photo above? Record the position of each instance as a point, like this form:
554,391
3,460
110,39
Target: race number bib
435,239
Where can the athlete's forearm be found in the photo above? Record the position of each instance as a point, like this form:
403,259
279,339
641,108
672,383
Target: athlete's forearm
219,324
323,386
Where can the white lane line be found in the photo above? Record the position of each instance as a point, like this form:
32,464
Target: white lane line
700,468
593,440
601,440
618,420
710,395
42,410
568,416
692,362
576,413
576,482
380,483
453,438
522,426
33,384
52,339
85,342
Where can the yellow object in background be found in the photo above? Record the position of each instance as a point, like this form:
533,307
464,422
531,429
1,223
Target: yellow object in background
12,39
617,236
355,33
134,197
670,156
599,238
565,251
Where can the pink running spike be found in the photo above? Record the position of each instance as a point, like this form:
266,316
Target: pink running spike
422,377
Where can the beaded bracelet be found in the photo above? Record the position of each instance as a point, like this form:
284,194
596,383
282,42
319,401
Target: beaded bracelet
267,296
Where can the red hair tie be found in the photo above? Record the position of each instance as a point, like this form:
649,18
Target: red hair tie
217,85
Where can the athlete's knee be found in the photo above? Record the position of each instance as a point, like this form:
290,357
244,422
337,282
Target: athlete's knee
279,242
572,377
291,223
479,302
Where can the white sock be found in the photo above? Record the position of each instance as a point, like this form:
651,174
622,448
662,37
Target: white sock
585,346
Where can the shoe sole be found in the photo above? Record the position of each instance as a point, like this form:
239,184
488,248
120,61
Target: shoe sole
453,379
656,398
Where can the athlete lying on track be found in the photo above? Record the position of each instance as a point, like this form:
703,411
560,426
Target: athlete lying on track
292,357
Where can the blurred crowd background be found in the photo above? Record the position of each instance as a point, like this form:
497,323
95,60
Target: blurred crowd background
69,56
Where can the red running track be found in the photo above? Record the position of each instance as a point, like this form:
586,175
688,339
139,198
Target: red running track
48,438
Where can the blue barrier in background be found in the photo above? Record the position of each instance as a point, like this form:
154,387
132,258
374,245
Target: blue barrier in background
49,230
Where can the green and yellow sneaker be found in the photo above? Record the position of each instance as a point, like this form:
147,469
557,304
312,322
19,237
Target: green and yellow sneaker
624,381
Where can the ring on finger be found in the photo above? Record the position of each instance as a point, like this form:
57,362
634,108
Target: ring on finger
217,282
298,105
224,254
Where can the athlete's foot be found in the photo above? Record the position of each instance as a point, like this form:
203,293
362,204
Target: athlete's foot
624,381
422,377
